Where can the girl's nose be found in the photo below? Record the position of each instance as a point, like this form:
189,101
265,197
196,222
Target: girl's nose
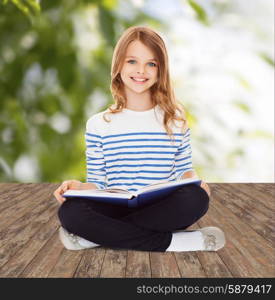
141,69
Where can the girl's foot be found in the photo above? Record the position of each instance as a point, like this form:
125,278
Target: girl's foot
213,238
74,242
203,239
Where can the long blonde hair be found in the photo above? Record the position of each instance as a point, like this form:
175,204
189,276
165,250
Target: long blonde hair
161,92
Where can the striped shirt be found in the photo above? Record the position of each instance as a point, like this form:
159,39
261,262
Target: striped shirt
134,150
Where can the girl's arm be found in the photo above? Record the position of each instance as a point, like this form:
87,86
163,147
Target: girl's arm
189,174
95,163
88,186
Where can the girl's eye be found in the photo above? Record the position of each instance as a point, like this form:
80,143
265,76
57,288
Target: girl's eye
152,64
132,61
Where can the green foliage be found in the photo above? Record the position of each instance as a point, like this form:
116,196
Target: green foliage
267,59
242,106
200,12
30,8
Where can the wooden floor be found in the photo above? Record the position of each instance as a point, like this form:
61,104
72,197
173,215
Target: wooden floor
29,244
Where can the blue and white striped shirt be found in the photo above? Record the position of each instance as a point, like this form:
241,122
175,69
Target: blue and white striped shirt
134,150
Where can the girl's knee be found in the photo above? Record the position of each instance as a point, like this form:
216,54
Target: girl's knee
201,200
68,212
203,193
196,199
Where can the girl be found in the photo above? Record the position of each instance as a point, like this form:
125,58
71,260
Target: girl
141,139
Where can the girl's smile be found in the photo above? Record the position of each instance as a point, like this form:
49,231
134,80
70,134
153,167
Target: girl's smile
139,70
139,80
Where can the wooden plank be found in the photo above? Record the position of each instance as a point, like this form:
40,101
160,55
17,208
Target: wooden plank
11,186
9,206
213,265
138,264
254,256
17,263
34,210
7,188
263,202
257,243
251,245
266,188
164,264
4,184
16,194
22,207
114,264
20,232
259,222
189,264
236,263
242,226
46,258
91,263
66,264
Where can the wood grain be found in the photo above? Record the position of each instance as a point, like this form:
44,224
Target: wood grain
256,253
17,194
30,246
138,264
114,265
264,188
31,256
66,264
164,264
46,258
252,198
91,263
22,207
250,215
189,265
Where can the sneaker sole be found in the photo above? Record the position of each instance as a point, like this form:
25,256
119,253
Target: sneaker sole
217,232
67,244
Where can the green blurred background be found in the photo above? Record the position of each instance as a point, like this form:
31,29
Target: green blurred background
55,61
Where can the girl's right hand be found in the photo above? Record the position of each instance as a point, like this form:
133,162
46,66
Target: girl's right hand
66,185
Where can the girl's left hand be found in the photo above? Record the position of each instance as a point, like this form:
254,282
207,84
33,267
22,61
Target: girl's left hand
205,187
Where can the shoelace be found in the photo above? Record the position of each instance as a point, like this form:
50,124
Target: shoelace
210,242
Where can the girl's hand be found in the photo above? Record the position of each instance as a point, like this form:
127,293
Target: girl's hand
205,187
66,185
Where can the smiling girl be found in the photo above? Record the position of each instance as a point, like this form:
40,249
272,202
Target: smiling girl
142,139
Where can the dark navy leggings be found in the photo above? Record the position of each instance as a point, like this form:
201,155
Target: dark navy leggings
147,228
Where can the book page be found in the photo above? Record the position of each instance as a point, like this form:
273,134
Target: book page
113,193
110,190
154,185
166,184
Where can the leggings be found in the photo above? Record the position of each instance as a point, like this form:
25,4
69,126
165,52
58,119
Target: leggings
146,228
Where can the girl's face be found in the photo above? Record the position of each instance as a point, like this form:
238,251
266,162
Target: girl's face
139,70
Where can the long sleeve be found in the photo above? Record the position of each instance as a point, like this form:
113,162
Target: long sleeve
183,161
95,164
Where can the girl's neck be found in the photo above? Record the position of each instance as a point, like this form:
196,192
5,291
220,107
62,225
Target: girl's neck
139,102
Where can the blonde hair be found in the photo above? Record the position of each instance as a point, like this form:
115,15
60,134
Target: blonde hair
161,92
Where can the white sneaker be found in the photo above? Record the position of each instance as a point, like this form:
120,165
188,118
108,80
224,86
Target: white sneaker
74,242
214,238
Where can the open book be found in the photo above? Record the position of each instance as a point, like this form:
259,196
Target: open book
145,195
